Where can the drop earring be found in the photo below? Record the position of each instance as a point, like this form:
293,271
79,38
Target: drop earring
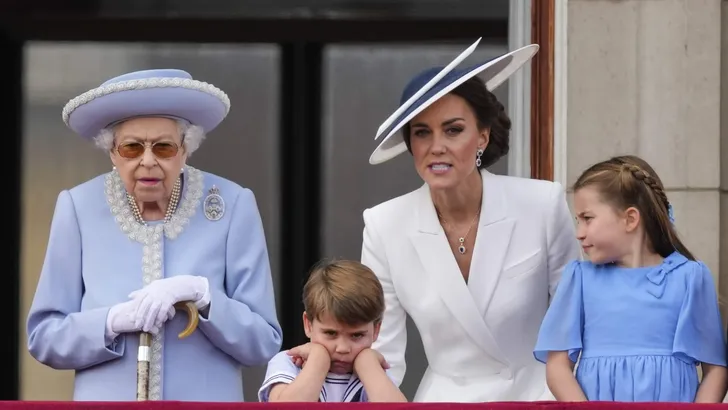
478,154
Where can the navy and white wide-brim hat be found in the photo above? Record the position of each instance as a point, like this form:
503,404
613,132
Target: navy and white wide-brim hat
431,84
166,93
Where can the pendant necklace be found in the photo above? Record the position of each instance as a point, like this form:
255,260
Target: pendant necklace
461,239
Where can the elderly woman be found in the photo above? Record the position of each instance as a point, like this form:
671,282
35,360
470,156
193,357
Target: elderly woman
472,257
127,245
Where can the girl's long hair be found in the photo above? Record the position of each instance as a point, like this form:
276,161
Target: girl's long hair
629,181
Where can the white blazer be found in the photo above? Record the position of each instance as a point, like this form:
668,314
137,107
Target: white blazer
478,337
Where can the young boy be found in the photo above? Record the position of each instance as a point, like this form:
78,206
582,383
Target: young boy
344,303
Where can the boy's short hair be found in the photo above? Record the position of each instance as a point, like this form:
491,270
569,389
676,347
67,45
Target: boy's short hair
346,290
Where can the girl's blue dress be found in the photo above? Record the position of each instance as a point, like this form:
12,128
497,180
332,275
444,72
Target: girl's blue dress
641,332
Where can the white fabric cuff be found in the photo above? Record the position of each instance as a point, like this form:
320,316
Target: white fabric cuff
204,301
264,391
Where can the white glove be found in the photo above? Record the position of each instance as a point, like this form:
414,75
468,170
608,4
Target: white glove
122,319
157,299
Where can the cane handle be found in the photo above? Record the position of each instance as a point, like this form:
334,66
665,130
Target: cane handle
193,318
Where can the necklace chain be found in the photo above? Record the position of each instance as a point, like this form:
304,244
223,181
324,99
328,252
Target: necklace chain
171,207
461,239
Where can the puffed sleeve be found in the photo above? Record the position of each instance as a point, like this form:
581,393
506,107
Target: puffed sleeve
242,320
392,340
699,332
560,235
60,334
563,325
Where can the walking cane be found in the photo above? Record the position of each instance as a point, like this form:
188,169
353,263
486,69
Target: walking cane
145,343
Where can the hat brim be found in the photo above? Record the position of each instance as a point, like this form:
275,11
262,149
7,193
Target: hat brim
199,103
494,73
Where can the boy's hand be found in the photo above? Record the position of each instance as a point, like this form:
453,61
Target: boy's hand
301,354
371,368
369,356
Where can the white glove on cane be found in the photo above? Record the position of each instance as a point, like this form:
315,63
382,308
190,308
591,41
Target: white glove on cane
157,299
122,319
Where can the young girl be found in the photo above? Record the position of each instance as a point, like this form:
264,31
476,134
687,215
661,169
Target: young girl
643,313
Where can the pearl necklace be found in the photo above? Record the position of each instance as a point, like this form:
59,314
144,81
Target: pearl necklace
171,208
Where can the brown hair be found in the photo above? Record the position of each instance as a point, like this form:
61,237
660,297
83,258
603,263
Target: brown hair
346,290
629,181
489,112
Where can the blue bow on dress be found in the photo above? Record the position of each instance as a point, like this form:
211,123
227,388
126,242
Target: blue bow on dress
657,276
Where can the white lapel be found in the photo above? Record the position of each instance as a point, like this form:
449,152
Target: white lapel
491,244
436,257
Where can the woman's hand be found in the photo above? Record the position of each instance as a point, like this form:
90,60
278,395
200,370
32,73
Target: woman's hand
157,299
122,319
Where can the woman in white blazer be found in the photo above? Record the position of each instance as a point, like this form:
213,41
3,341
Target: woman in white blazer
471,256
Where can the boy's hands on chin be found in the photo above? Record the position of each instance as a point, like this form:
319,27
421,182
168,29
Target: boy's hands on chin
368,358
309,352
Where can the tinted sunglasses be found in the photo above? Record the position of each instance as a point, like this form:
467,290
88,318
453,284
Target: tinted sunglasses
162,150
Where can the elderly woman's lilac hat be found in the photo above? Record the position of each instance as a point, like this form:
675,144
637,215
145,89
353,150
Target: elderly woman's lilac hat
433,83
166,93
